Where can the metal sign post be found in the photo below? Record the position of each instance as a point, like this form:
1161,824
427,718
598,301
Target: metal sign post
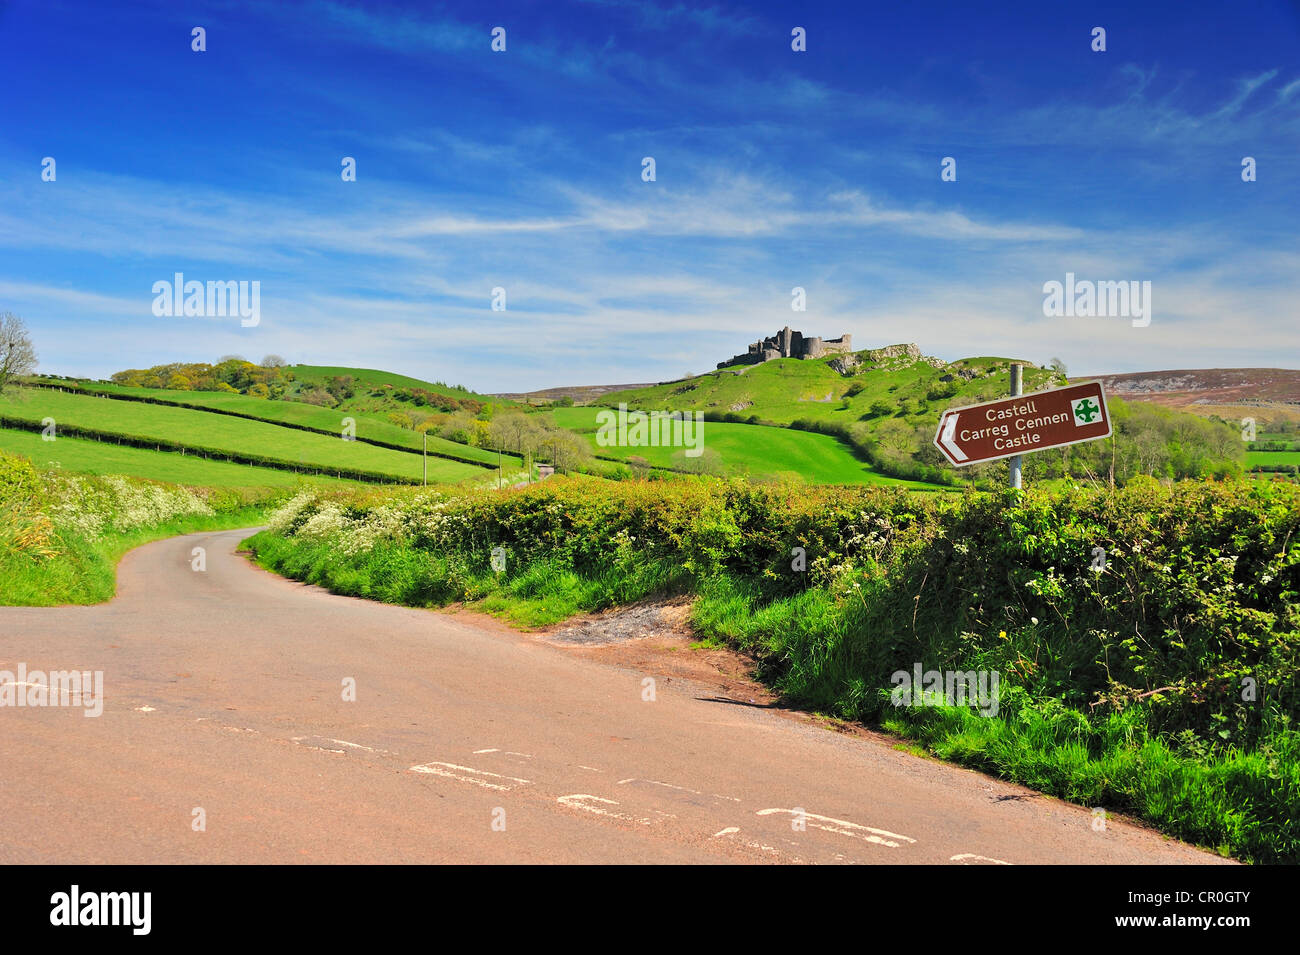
1016,387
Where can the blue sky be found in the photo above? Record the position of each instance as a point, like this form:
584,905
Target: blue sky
522,169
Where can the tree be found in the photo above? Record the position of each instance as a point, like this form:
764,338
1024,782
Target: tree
1058,366
17,357
273,361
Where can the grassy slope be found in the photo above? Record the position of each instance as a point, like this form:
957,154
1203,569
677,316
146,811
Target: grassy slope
88,575
224,433
97,457
317,374
369,426
760,452
788,389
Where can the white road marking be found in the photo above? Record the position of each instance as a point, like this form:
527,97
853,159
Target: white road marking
453,771
726,832
343,742
844,828
592,769
144,709
970,855
319,749
480,752
579,801
655,782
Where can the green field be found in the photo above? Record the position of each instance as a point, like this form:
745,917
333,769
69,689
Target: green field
369,426
1254,458
98,457
754,450
225,434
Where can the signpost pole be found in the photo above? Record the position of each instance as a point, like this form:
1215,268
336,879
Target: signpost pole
1016,391
424,457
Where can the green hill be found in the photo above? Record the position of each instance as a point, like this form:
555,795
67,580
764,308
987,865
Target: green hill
373,377
371,427
883,403
886,403
390,399
224,435
879,386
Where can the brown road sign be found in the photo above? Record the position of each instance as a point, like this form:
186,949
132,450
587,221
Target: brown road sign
1034,422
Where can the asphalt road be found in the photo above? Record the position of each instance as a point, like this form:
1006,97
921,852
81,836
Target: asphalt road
225,738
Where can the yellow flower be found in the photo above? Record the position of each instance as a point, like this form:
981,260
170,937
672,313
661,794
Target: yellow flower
1002,634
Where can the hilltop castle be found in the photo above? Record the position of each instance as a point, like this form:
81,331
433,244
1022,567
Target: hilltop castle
788,343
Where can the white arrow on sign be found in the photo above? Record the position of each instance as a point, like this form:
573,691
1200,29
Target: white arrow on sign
946,439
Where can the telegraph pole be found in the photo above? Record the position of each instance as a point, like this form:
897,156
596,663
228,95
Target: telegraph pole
1016,391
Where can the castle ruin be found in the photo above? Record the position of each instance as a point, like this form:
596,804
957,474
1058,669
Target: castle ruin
788,343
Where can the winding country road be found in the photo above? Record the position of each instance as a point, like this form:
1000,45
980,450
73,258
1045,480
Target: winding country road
224,693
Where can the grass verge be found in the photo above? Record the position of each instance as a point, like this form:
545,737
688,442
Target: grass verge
85,571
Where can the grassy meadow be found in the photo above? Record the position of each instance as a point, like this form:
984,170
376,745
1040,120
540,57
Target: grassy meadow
368,426
100,457
756,451
222,433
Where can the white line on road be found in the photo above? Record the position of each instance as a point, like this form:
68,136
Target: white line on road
684,789
452,771
579,801
843,827
970,855
343,742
